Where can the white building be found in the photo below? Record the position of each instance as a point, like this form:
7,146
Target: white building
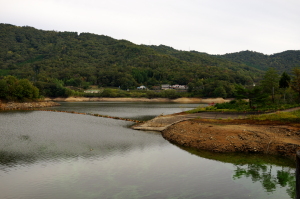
176,87
141,87
165,86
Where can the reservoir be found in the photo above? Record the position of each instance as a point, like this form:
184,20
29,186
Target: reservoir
61,155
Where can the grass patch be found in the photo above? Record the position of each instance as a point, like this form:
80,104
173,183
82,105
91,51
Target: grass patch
243,106
293,116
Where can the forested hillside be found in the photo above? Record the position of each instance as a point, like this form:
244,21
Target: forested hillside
282,62
56,59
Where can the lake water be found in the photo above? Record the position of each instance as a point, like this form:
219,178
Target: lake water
62,155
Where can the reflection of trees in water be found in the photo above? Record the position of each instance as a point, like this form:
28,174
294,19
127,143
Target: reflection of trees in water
263,173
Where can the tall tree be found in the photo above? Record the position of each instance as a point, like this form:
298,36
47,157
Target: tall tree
284,82
255,94
295,82
270,82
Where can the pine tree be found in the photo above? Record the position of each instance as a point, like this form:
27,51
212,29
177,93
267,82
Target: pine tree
284,81
255,94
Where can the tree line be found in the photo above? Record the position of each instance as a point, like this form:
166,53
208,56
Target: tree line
273,88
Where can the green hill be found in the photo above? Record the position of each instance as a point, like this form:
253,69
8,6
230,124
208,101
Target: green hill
79,60
283,61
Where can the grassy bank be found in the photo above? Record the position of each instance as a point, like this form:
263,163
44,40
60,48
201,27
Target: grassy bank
243,106
293,116
271,112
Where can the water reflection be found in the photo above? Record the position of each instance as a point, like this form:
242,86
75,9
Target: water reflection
30,136
270,178
133,110
271,172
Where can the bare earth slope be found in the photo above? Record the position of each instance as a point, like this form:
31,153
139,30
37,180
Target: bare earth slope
213,133
236,136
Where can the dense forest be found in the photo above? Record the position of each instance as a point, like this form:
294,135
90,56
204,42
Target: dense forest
282,62
55,60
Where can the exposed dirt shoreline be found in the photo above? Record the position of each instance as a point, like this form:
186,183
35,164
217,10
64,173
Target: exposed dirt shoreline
225,133
124,99
26,105
236,136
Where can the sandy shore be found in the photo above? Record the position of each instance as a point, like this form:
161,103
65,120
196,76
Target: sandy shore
105,99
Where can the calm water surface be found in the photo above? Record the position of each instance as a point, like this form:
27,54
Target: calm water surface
131,110
62,155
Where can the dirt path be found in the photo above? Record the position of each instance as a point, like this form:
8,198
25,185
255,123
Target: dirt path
162,122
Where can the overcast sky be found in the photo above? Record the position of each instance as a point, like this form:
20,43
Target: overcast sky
211,26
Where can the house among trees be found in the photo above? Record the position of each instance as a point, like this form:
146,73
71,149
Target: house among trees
165,86
179,87
92,91
155,87
176,87
141,87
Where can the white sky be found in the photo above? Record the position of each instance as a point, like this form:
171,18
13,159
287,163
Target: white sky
211,26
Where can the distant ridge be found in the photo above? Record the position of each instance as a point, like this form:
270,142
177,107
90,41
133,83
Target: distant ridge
283,61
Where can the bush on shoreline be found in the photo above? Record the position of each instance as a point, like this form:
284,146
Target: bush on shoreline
13,89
